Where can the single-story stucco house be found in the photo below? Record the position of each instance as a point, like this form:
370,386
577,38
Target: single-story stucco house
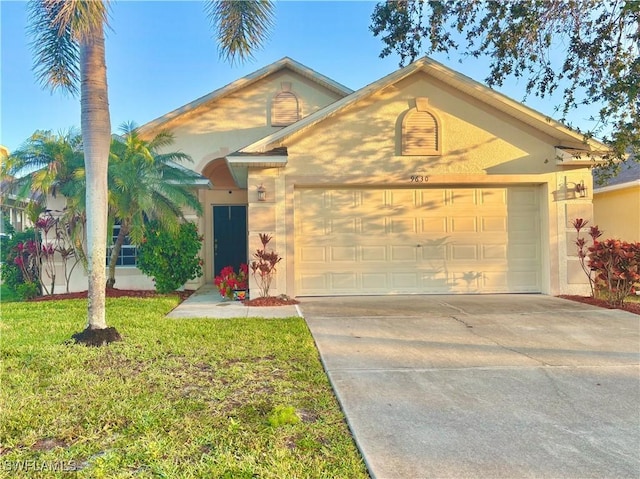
424,181
616,204
11,207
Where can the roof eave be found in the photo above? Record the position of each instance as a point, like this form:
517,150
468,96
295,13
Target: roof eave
619,186
579,157
239,165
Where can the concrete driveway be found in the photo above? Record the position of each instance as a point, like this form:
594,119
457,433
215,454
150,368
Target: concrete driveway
494,386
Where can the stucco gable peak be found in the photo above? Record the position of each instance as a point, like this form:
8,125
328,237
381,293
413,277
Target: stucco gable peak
244,82
454,79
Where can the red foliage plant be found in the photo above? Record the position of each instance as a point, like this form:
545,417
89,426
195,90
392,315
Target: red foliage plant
228,280
612,266
581,243
263,267
617,267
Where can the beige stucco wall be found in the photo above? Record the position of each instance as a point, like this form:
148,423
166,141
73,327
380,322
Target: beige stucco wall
475,139
227,124
360,146
241,118
617,212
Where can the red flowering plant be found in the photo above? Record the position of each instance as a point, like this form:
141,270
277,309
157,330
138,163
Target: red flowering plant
228,280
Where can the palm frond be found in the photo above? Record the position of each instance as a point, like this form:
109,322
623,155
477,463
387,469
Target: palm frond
240,27
56,27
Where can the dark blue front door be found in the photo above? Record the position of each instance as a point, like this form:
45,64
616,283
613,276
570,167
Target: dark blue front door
229,237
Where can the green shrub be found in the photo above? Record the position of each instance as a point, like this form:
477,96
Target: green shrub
28,290
12,276
170,259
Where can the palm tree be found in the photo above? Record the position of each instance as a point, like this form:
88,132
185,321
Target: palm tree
46,164
146,185
69,50
68,42
50,165
241,26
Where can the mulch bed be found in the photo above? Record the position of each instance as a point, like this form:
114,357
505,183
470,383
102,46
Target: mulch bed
284,300
271,301
133,293
627,306
114,293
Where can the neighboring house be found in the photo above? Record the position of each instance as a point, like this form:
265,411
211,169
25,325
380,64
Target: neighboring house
424,181
11,207
616,204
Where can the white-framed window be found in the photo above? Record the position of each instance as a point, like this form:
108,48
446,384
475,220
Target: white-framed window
421,133
128,253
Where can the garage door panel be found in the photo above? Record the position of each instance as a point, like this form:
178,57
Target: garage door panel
494,224
446,240
343,253
374,253
314,283
497,281
493,196
374,281
494,252
433,225
373,225
342,281
401,198
403,281
315,254
463,252
463,197
343,226
432,199
464,224
522,253
402,225
403,253
525,197
343,199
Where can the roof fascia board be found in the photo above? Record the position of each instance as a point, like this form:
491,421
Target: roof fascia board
482,92
572,157
260,161
620,186
262,144
239,166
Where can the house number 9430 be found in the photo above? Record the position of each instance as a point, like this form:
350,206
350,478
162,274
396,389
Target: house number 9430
419,178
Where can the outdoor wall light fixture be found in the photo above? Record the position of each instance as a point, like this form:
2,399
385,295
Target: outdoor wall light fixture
581,190
262,193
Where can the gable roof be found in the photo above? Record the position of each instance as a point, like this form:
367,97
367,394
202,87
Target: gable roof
282,64
628,176
529,116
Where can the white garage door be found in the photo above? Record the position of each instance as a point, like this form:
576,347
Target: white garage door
446,240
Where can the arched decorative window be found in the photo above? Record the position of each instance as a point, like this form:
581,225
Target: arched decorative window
420,131
284,107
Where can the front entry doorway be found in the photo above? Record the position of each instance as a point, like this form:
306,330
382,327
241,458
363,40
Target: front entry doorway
229,237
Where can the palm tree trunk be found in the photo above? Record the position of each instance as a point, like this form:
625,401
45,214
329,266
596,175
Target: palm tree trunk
96,137
115,252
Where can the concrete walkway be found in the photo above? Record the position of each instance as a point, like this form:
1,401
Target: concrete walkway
496,386
206,302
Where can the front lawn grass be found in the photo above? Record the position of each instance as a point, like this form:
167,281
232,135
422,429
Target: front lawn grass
7,294
203,398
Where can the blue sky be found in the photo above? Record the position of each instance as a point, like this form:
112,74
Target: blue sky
161,55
